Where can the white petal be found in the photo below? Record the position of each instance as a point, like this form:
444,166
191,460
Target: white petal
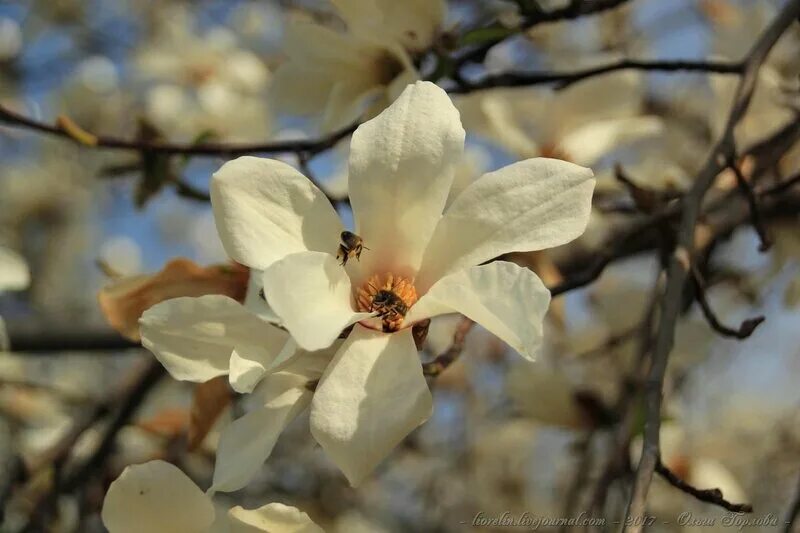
156,497
194,337
506,299
247,442
401,168
587,144
346,103
530,205
14,273
271,518
301,90
265,210
372,395
311,294
413,23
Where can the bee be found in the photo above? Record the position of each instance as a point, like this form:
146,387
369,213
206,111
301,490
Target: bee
352,245
390,308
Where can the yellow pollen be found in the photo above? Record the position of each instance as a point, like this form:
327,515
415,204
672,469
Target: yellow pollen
399,286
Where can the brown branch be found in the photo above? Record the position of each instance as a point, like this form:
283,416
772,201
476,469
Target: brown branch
746,328
129,396
755,214
438,365
679,264
312,146
713,496
561,80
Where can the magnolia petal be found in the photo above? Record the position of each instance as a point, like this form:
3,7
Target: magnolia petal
587,144
372,395
194,337
123,301
506,299
300,90
346,103
311,294
401,168
530,205
266,210
156,497
271,518
247,442
14,273
412,23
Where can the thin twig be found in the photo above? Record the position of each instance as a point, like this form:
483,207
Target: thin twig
746,328
438,365
561,80
713,496
680,260
312,146
755,214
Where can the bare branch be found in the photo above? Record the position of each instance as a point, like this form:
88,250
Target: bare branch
438,365
755,214
679,269
713,496
746,328
561,80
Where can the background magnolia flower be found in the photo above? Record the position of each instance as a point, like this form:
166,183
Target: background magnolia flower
158,498
337,74
272,218
580,123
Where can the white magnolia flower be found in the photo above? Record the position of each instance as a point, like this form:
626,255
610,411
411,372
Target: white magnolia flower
337,74
371,391
201,83
156,497
581,123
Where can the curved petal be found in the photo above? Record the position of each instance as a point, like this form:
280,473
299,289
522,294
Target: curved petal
506,299
372,395
265,210
156,497
401,168
301,90
530,205
194,337
311,294
587,144
413,23
14,273
247,442
347,101
124,300
271,518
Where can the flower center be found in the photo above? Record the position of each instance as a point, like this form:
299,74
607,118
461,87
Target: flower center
390,296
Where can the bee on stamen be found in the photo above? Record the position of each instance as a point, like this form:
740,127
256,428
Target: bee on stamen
351,246
390,308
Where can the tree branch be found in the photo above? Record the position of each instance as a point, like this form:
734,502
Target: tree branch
312,146
746,328
713,496
680,261
438,365
561,80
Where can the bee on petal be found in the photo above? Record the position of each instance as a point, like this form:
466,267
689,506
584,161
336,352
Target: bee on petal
351,246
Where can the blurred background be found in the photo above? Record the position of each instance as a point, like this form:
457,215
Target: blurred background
553,438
